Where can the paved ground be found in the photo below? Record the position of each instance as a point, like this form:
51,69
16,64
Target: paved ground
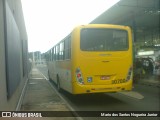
40,96
149,81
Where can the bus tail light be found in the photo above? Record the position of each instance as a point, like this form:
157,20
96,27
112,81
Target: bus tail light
79,76
129,75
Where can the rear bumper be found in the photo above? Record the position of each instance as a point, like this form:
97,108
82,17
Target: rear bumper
82,89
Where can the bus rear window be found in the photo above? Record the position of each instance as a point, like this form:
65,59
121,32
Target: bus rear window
93,39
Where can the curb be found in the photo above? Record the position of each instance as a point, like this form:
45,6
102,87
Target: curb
133,94
149,84
74,113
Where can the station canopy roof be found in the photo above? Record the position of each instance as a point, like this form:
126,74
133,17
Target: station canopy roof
140,14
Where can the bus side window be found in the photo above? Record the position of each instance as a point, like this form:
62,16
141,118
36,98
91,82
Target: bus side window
54,56
50,55
61,53
67,49
57,52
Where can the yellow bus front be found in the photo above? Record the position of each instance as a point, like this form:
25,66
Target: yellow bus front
102,59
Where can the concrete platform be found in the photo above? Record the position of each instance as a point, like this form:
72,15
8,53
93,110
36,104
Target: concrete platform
40,96
149,81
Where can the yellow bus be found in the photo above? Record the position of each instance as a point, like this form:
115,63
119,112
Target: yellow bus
93,58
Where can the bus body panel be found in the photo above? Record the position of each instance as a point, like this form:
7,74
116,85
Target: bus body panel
62,70
82,89
101,71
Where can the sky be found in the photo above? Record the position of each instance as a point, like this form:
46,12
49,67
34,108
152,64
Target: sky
49,21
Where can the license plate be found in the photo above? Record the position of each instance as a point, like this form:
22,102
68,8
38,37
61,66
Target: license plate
105,77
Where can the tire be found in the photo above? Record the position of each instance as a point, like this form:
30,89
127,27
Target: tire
49,75
58,84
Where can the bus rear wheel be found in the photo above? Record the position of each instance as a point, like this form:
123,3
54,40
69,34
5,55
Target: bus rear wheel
58,84
49,75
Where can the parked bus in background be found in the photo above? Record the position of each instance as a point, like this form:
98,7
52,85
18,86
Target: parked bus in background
93,58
